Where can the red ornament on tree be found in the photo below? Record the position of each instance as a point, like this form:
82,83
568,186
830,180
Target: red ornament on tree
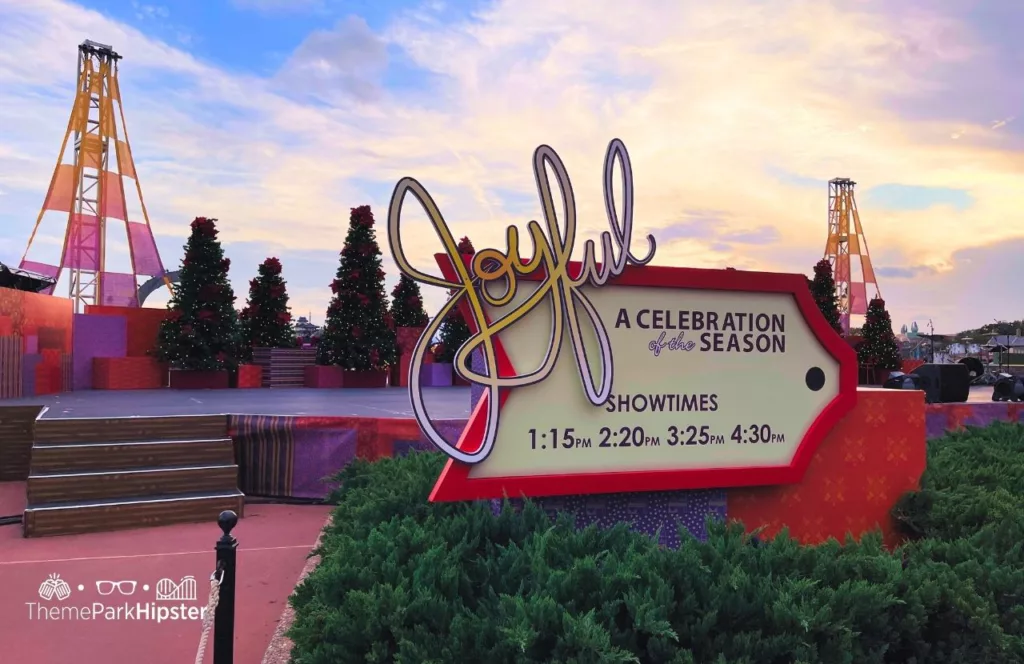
356,335
268,324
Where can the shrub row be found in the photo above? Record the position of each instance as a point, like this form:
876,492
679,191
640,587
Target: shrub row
405,581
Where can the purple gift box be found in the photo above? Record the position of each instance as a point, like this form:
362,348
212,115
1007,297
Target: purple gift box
28,374
436,375
31,345
96,336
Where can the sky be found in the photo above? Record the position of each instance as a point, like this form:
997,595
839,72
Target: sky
278,116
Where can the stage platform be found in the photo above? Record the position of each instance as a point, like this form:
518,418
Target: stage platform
445,403
442,402
289,440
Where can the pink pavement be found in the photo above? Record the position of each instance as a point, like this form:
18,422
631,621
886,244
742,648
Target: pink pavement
274,543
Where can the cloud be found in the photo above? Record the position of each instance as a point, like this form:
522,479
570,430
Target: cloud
275,6
904,272
904,197
347,60
736,107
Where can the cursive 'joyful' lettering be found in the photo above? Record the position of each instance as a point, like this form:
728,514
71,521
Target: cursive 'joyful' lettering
553,247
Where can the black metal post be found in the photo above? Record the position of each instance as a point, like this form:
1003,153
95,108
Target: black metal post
224,617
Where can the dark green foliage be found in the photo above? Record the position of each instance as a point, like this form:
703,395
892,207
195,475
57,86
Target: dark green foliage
407,304
266,321
359,333
403,580
823,288
879,348
201,329
455,330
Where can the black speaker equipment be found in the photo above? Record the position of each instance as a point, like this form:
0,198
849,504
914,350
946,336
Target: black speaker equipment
1008,388
944,383
898,380
975,368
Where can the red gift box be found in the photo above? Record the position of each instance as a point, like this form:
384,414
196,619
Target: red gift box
322,376
250,376
127,373
6,326
48,378
51,356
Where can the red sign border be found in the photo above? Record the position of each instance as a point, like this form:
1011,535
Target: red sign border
454,483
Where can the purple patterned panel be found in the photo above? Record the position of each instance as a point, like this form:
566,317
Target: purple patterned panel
940,419
118,290
935,423
144,253
28,374
403,448
44,269
644,512
319,454
95,336
476,361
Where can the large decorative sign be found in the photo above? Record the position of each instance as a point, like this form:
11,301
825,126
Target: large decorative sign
620,376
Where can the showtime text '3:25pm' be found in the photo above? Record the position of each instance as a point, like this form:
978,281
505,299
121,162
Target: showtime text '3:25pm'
639,437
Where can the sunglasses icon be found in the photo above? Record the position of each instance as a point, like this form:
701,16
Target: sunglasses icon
123,587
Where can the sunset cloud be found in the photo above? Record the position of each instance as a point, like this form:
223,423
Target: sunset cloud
736,113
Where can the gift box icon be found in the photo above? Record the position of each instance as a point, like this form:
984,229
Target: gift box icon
54,587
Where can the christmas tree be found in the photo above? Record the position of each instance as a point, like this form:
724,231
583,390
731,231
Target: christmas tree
358,333
879,347
201,330
823,288
407,304
455,330
266,320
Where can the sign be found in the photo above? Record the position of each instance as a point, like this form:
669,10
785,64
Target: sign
620,376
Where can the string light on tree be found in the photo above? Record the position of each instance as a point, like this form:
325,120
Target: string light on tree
879,348
266,319
407,304
359,333
201,330
823,288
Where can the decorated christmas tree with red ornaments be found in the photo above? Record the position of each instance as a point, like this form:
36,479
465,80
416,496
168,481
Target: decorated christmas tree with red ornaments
454,330
407,304
823,288
201,329
266,321
879,348
359,333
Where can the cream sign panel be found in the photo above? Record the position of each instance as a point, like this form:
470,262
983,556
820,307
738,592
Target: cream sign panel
702,379
610,374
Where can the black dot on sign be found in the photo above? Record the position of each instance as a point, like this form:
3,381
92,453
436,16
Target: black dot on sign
815,379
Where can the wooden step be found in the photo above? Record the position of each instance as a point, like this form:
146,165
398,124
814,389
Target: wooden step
102,516
16,427
70,431
78,457
137,483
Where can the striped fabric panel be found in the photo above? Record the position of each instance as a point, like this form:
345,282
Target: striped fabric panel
10,368
265,448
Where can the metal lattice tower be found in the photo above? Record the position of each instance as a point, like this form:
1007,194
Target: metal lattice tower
91,193
846,239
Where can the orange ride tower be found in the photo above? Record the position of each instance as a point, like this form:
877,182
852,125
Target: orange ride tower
89,192
845,240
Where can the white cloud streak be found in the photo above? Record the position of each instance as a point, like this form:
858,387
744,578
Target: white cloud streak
707,96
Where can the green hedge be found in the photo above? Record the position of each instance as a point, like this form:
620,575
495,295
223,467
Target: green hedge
405,581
